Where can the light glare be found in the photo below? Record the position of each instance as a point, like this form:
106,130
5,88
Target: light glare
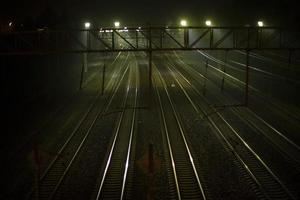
87,24
260,23
208,23
117,24
183,22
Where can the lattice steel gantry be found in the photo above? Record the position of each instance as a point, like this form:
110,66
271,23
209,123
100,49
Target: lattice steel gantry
151,39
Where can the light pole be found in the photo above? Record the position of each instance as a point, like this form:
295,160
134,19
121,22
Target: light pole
184,23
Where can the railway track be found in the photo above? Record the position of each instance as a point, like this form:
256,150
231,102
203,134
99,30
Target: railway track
56,171
59,110
185,181
286,145
265,139
266,180
115,174
278,138
256,92
186,175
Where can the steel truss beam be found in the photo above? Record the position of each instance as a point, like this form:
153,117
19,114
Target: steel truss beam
199,38
100,39
110,40
38,52
158,38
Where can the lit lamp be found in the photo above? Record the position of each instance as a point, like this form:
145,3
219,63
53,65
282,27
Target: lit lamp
260,23
87,25
208,23
183,22
117,24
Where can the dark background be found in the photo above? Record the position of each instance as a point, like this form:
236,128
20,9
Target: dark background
133,12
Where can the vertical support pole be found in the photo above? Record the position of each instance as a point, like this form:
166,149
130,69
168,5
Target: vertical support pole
248,38
85,62
137,38
234,38
259,38
150,70
88,40
103,79
211,42
187,37
113,40
184,37
161,38
150,60
247,80
85,59
150,38
81,76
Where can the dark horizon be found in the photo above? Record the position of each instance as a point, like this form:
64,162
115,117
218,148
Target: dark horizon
222,12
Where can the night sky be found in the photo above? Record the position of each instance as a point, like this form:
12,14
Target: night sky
132,12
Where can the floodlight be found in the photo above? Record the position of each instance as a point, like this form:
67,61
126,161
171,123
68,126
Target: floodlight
117,24
208,23
260,23
87,24
183,22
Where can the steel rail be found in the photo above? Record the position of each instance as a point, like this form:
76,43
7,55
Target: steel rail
56,112
99,115
131,135
169,144
288,193
241,83
221,134
259,92
285,138
72,134
74,131
115,138
191,159
52,164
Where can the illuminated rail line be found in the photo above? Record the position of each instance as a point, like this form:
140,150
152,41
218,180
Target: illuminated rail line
56,171
266,180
